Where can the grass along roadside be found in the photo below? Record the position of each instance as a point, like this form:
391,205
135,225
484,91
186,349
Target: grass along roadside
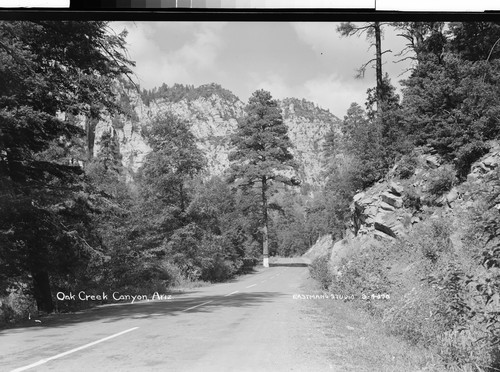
358,342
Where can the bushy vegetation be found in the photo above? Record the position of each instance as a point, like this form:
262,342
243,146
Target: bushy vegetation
305,109
406,166
441,181
437,297
320,271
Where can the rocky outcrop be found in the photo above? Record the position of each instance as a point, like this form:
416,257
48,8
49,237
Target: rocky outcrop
307,127
389,209
379,211
486,164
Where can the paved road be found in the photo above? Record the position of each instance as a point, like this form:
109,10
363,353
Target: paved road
250,324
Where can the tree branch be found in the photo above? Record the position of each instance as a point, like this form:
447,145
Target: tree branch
491,51
119,64
362,69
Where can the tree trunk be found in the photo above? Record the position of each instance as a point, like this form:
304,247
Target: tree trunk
265,238
43,295
419,42
378,56
181,197
90,125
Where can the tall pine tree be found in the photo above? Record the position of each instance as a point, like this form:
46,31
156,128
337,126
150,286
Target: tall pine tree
262,153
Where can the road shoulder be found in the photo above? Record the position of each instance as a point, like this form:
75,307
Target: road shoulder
351,340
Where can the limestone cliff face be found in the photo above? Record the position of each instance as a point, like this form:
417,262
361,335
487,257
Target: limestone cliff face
213,115
127,131
307,127
212,120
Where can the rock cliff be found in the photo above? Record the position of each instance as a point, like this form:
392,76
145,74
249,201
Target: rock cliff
213,114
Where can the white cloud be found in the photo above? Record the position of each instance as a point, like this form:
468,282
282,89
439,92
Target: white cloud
343,54
332,93
194,57
275,84
202,52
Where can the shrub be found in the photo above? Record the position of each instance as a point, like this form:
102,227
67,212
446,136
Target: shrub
364,274
465,349
442,181
217,269
16,306
411,200
447,301
406,166
482,247
142,272
412,315
320,271
433,238
219,259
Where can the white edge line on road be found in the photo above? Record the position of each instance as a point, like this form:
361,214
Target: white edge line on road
250,286
229,294
42,361
194,307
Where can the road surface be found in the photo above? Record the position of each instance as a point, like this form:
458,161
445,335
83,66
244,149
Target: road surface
250,324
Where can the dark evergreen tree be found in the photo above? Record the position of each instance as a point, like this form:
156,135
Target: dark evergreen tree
475,41
175,160
165,190
48,68
450,105
262,155
425,40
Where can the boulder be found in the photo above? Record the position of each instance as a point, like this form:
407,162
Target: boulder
388,224
395,201
415,219
371,211
452,195
386,207
381,236
432,161
358,197
396,189
491,161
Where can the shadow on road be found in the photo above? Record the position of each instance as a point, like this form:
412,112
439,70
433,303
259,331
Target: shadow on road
293,264
149,309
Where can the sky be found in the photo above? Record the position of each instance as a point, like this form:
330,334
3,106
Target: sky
289,59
